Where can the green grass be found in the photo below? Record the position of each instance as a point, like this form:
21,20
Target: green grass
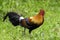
50,30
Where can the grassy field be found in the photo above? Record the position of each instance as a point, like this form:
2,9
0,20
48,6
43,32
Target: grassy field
50,30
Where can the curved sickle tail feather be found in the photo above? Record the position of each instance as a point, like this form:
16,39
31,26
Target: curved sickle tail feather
5,17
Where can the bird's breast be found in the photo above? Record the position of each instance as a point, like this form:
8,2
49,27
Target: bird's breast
37,20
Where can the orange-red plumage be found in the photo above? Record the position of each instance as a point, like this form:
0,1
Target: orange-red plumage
34,22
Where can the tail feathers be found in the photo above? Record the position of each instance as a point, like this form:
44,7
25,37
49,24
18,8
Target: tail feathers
5,17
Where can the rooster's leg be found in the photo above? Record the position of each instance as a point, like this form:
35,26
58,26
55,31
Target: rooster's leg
24,30
30,33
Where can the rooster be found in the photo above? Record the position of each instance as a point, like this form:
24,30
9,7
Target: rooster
30,23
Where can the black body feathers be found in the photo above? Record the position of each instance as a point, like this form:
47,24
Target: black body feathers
13,18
